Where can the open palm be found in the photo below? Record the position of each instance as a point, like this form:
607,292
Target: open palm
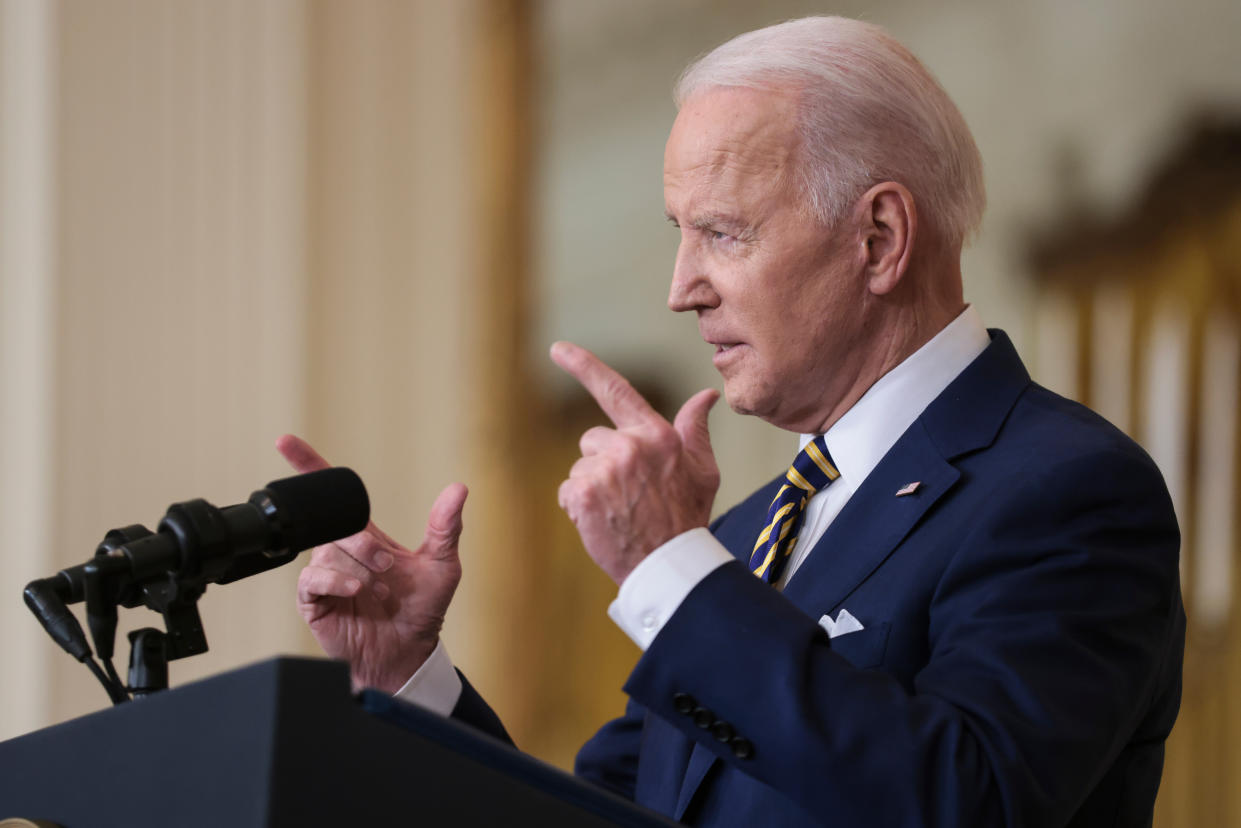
373,602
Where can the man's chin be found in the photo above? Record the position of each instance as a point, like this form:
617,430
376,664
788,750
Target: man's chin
736,407
752,402
741,400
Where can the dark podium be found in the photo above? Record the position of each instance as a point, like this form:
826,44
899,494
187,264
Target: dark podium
283,743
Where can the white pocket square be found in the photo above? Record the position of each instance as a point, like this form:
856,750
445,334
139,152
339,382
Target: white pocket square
843,625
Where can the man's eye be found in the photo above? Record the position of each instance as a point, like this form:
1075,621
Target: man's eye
718,235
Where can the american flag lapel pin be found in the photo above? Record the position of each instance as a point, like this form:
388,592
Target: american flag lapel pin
909,488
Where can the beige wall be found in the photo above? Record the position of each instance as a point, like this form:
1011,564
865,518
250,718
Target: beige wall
26,341
220,221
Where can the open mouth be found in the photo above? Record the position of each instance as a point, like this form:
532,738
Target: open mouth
726,353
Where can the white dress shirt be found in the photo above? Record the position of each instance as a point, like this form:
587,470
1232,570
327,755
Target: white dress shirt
857,442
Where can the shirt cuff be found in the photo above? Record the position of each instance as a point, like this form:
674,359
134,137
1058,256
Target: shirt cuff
658,585
435,685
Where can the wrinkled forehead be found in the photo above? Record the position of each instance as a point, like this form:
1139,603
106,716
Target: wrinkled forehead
731,131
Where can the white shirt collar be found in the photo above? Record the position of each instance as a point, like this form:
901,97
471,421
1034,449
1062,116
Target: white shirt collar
863,435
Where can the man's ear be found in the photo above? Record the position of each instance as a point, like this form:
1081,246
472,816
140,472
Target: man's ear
889,226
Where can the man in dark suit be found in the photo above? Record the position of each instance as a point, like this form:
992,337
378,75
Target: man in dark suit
966,609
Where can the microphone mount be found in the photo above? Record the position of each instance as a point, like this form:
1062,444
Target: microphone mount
168,570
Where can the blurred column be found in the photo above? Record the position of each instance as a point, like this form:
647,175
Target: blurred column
393,239
27,294
153,308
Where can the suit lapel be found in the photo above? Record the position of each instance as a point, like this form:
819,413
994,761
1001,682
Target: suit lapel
848,552
872,524
964,418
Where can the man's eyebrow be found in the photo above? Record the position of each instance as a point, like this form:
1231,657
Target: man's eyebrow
706,221
715,221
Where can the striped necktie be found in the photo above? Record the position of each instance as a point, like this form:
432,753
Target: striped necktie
812,469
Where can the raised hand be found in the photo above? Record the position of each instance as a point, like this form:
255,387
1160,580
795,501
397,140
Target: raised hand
371,601
645,481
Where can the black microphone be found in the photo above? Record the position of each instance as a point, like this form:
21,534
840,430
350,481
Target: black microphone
302,512
197,543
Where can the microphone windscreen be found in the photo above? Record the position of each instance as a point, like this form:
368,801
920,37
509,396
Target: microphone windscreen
319,507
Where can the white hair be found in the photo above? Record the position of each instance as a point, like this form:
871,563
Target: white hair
869,112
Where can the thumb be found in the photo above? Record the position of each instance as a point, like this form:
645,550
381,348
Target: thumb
300,454
444,524
691,421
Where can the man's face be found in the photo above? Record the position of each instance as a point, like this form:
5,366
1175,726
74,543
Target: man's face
780,297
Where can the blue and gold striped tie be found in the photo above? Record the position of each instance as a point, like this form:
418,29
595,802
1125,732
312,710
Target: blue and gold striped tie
812,469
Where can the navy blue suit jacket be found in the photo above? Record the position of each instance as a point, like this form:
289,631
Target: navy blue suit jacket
1020,662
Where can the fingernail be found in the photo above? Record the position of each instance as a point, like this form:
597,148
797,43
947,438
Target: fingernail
352,585
380,589
382,560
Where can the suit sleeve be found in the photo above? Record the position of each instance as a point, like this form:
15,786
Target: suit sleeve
610,758
1054,623
474,711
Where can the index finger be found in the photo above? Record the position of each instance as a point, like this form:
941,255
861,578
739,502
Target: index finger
618,399
300,455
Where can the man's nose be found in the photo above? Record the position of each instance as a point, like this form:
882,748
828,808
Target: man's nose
691,287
